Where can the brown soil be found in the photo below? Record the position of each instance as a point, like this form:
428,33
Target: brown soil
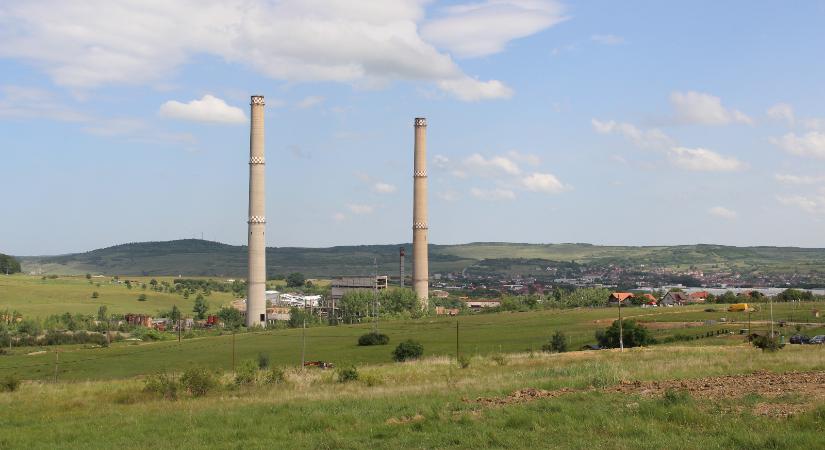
809,386
523,395
767,384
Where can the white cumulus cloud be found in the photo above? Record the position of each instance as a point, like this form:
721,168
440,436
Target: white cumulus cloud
367,43
543,182
493,194
700,159
494,166
360,209
722,212
704,109
383,188
812,204
783,112
811,144
787,178
485,27
207,109
652,138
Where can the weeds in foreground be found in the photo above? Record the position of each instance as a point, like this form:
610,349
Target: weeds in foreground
164,384
9,383
347,374
499,359
198,382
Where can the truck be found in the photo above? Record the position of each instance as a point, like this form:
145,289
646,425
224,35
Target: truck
738,307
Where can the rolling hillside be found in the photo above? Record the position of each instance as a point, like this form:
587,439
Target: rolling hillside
195,257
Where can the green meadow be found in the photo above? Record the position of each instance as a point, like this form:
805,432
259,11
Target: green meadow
433,404
37,297
475,334
78,396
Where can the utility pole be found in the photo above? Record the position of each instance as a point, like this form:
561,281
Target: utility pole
303,343
56,363
233,350
179,327
334,316
375,294
621,331
770,301
457,349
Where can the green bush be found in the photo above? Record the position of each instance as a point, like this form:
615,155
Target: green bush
9,384
766,343
347,374
463,361
147,334
263,361
197,381
633,335
164,384
373,339
558,343
407,350
275,375
246,373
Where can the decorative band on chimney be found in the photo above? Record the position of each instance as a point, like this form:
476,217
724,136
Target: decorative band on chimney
420,173
258,100
419,226
420,122
257,219
257,160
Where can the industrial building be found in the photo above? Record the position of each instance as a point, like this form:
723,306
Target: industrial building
341,286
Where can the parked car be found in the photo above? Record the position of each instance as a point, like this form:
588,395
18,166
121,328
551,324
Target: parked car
800,339
819,339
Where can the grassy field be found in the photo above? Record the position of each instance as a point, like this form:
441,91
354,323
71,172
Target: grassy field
590,402
35,297
479,334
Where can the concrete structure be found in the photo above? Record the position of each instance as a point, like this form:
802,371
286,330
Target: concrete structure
421,270
478,304
256,282
341,286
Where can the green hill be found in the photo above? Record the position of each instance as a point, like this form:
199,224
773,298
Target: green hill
195,257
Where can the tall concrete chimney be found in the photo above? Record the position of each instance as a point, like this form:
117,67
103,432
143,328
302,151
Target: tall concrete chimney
421,271
256,282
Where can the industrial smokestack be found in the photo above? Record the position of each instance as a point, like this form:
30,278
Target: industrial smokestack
256,282
421,271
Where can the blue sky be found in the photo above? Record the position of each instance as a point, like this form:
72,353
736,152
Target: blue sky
606,122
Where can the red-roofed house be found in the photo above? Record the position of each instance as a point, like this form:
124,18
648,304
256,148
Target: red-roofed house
617,297
698,297
674,298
